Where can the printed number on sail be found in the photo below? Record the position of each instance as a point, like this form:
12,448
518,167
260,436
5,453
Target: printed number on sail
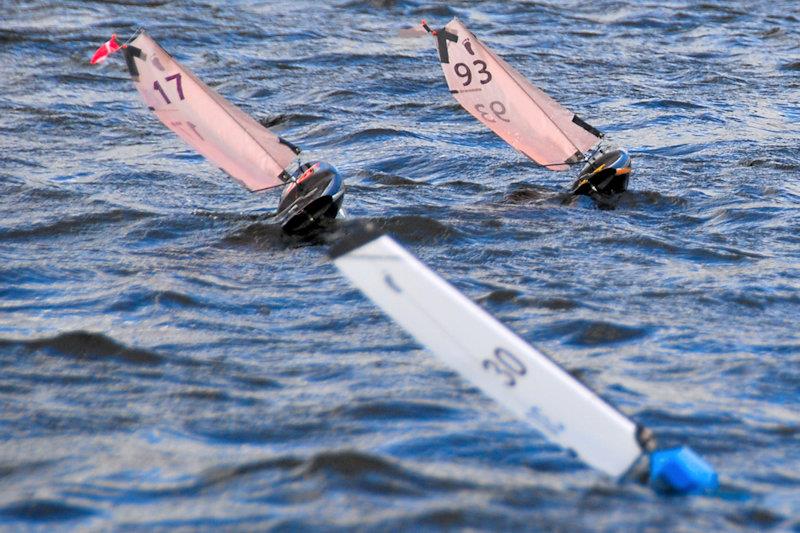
192,128
506,365
462,70
178,86
497,108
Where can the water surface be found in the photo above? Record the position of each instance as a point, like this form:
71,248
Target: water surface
168,359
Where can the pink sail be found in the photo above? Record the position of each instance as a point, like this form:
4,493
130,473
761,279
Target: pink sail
508,104
217,129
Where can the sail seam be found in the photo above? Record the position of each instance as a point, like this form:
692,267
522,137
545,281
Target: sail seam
545,113
263,149
518,84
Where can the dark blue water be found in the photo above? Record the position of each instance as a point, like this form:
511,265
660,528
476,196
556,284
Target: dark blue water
168,359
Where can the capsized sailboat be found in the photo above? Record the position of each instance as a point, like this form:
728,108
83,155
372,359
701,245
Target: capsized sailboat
524,116
229,138
509,370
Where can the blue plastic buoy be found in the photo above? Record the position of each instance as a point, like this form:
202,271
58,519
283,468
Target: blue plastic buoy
681,470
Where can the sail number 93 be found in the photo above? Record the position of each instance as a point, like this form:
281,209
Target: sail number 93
505,364
463,71
497,108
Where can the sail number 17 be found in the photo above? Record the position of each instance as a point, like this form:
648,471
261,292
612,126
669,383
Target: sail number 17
177,78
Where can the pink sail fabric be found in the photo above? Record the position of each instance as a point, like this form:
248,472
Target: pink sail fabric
508,104
217,129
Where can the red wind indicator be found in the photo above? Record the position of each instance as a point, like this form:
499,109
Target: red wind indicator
107,48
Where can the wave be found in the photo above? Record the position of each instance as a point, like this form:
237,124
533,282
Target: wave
416,228
84,345
74,224
44,510
598,332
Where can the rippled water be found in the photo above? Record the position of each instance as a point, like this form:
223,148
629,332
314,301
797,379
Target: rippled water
169,359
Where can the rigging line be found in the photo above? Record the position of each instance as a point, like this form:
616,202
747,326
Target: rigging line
138,31
267,188
597,148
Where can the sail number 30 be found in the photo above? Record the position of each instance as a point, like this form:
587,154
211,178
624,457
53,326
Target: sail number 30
505,364
177,78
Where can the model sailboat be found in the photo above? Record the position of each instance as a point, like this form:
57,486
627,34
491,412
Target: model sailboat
228,137
524,116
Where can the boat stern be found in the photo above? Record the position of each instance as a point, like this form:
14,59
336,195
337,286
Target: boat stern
605,175
312,200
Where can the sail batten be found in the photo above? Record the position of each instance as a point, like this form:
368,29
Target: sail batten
501,98
224,134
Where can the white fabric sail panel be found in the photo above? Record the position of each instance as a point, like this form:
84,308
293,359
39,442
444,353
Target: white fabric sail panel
217,129
501,98
490,356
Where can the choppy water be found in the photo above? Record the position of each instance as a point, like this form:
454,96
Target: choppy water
167,359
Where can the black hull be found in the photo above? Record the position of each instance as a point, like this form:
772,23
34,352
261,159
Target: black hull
311,204
316,215
605,177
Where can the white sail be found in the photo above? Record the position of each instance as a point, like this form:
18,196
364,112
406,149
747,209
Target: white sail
489,355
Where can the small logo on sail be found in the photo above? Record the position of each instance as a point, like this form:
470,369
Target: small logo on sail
542,421
387,278
468,46
157,64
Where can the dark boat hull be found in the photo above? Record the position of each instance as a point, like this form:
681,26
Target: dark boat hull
313,202
605,176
